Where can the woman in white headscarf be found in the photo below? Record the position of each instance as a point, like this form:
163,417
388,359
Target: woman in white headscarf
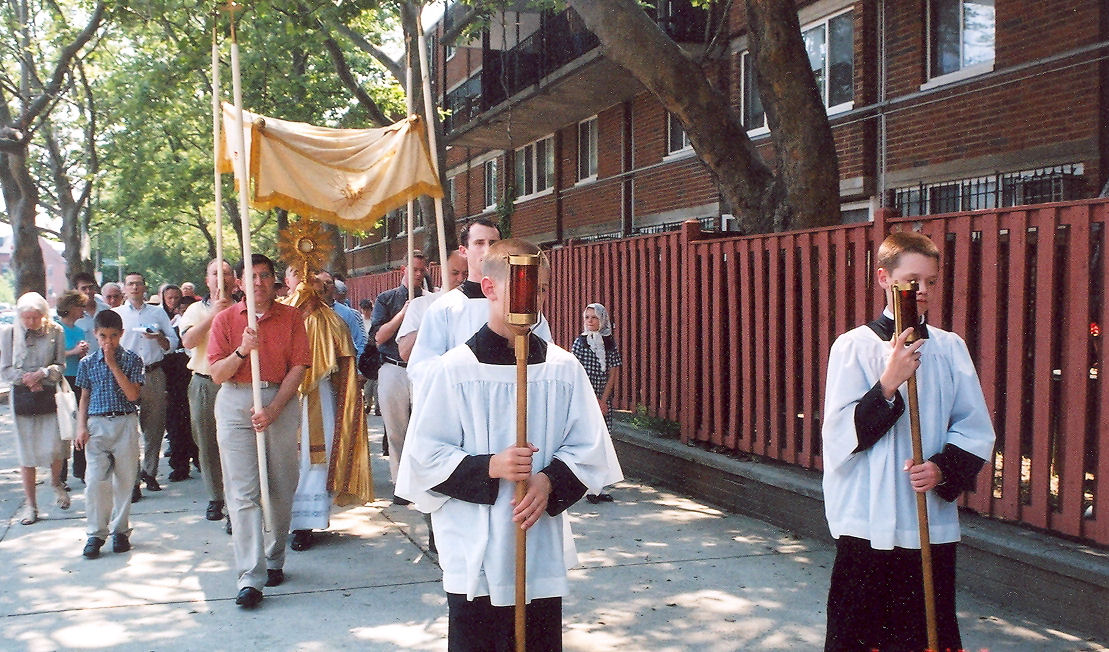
596,349
32,360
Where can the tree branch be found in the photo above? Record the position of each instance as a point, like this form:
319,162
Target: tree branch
343,70
395,68
61,68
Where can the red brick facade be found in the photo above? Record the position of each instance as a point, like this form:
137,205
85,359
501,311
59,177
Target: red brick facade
1043,103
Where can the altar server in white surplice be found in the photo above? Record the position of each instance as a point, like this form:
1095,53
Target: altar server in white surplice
461,463
870,481
459,313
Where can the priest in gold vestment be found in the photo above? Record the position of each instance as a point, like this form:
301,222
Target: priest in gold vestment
334,453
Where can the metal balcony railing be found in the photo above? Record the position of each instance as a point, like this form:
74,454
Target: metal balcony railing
561,38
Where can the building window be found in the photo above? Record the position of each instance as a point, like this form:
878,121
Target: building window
490,183
587,148
449,190
830,44
754,118
961,36
535,167
676,138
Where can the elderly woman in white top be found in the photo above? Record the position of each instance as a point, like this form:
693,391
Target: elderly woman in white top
32,360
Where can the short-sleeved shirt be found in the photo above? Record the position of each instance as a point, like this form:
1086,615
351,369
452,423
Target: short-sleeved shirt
353,320
194,314
149,316
88,324
73,335
105,394
284,341
387,305
598,377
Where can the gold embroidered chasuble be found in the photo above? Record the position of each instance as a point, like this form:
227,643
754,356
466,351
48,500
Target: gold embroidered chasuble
349,477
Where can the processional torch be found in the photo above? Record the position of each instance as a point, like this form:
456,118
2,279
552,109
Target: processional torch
905,315
523,312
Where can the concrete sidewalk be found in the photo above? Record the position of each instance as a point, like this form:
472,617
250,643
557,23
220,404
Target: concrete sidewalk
657,572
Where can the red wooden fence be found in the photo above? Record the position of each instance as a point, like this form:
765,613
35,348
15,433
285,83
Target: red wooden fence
729,336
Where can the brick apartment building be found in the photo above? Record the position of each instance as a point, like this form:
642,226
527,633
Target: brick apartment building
936,106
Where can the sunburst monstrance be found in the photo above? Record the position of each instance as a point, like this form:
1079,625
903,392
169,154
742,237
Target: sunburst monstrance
306,246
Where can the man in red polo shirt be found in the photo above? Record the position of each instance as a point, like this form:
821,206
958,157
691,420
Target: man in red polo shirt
284,356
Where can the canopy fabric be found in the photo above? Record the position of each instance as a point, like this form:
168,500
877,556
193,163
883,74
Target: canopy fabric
347,177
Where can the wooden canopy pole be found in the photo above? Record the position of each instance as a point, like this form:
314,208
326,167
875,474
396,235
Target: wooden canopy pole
430,122
217,120
905,314
248,283
410,219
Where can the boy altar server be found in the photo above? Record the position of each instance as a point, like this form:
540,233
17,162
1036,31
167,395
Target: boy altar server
876,596
461,464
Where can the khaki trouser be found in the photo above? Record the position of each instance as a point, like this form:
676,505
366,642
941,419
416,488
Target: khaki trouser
152,418
255,550
112,459
202,414
394,393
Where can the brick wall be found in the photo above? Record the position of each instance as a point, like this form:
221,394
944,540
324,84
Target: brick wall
1017,119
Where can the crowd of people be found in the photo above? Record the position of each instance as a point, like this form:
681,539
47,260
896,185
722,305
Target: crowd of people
302,367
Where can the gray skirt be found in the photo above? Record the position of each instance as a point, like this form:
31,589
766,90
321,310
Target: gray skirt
36,440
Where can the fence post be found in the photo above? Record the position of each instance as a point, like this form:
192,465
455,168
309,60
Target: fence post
689,360
879,230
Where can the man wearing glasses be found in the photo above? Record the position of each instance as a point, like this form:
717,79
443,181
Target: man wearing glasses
282,345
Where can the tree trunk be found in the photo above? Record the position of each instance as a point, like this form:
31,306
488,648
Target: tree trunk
762,200
21,199
74,230
202,225
795,113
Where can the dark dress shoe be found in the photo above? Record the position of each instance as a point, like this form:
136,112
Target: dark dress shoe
274,576
120,543
249,597
177,475
403,502
151,482
215,510
136,494
92,547
605,498
302,540
592,498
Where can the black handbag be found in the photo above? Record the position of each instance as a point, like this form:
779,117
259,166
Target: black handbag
27,403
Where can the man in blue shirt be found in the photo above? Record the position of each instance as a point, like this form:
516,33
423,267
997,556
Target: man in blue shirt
108,432
349,315
147,332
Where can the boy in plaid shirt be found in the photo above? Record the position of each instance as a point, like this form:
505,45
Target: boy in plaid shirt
108,431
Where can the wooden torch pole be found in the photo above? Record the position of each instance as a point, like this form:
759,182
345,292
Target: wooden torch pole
905,314
523,312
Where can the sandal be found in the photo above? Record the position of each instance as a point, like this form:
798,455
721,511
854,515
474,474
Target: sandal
62,496
30,515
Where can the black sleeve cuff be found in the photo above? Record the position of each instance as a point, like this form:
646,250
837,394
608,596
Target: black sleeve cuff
874,416
566,489
959,470
470,481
